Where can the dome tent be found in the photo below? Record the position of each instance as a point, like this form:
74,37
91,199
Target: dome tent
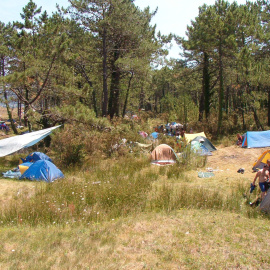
35,156
205,142
262,160
42,170
163,154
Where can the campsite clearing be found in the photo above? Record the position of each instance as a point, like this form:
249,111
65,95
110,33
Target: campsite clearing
225,162
184,238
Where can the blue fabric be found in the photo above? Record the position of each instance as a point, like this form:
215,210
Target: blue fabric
154,135
262,186
42,170
35,156
205,174
12,174
255,139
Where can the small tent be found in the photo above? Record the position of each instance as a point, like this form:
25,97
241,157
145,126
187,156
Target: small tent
190,137
205,142
255,139
199,148
163,154
35,156
42,170
265,204
262,160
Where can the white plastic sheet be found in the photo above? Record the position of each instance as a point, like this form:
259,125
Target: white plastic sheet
15,143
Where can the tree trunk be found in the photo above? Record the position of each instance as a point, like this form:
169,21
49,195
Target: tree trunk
221,91
127,95
6,98
268,107
256,119
142,96
104,75
205,97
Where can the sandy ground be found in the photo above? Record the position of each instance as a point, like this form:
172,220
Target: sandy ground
235,157
226,161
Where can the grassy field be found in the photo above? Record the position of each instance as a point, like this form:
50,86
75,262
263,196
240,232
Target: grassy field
128,214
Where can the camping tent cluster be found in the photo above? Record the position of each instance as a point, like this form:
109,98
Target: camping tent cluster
39,167
163,154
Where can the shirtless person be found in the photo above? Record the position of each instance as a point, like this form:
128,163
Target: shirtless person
263,175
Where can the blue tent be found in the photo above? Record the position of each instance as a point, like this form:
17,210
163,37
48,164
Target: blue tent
42,170
255,139
200,149
35,156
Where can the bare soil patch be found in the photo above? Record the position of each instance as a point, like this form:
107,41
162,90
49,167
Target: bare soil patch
235,157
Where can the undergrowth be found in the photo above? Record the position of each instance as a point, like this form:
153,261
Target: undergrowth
110,190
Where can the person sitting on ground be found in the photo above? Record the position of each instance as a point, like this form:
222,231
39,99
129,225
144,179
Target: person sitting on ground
263,176
182,132
239,139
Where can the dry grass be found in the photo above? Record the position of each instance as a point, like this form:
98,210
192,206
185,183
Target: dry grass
3,113
186,239
182,239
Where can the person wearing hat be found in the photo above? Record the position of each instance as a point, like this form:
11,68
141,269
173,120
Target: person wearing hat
263,176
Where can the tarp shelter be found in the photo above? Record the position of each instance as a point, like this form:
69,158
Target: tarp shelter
262,160
42,170
205,142
15,143
163,154
35,156
255,139
190,137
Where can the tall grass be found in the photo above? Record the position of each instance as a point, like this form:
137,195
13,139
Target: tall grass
115,189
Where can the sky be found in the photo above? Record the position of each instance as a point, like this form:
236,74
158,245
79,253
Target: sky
173,16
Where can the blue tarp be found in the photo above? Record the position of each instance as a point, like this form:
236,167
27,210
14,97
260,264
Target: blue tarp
154,135
35,156
255,139
42,170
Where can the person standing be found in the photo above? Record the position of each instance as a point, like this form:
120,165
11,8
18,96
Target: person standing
263,176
